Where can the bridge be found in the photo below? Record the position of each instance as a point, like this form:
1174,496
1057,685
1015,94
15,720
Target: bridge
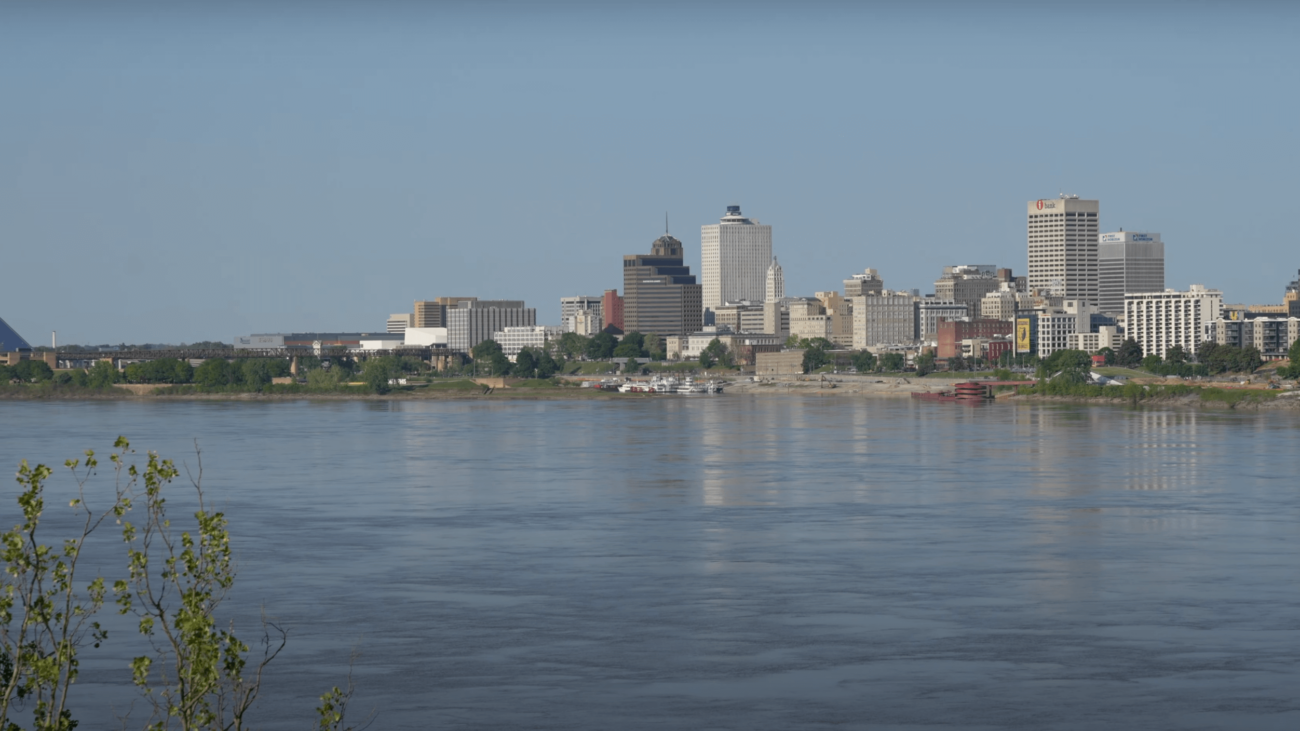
74,359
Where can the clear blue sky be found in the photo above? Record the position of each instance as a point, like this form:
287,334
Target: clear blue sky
181,172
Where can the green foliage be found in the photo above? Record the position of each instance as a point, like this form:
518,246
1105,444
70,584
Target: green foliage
814,357
31,371
6,374
525,364
1227,358
1108,354
654,347
215,372
44,618
893,362
103,375
572,345
716,353
1003,374
864,361
1129,354
199,674
631,346
485,350
547,366
924,363
1151,363
1175,354
632,366
163,370
377,373
601,346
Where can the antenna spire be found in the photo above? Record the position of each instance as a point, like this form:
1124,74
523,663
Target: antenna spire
665,223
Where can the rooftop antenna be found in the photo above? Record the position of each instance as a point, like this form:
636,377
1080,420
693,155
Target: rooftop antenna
665,223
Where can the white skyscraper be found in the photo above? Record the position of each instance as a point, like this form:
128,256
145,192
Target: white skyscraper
1160,320
1128,261
735,255
775,282
1063,247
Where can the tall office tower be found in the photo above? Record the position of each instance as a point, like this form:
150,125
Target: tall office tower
570,306
868,282
775,282
1160,320
471,321
433,313
660,294
1063,247
734,255
611,309
1128,261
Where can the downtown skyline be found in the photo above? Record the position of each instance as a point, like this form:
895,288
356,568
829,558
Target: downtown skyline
196,175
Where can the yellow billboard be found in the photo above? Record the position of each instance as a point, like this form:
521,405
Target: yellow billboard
1022,335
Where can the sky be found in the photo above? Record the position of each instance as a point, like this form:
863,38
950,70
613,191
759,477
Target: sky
177,172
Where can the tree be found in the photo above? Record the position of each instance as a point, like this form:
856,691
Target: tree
601,347
893,362
1175,355
1152,363
863,361
631,366
814,358
925,363
103,375
629,348
957,363
1108,355
715,353
485,350
215,372
525,364
32,371
6,374
654,347
547,366
377,373
1129,354
572,345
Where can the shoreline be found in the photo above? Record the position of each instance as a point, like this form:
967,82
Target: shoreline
895,388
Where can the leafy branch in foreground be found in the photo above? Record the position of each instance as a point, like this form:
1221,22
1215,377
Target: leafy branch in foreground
44,619
199,676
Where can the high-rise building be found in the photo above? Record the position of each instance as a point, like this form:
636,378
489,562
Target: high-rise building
570,306
887,318
840,310
735,254
967,284
930,311
1160,320
611,309
1063,246
660,295
433,313
1128,261
775,282
868,282
397,323
471,321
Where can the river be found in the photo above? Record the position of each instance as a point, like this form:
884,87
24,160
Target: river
736,562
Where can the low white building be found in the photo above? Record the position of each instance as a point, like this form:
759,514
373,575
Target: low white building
516,338
1107,336
426,337
584,322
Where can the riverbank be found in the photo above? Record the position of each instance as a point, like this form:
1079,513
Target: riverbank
838,386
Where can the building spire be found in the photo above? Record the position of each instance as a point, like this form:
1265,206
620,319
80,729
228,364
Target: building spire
665,223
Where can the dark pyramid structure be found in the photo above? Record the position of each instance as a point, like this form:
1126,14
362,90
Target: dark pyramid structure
11,341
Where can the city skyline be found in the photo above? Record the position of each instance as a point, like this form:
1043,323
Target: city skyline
258,184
